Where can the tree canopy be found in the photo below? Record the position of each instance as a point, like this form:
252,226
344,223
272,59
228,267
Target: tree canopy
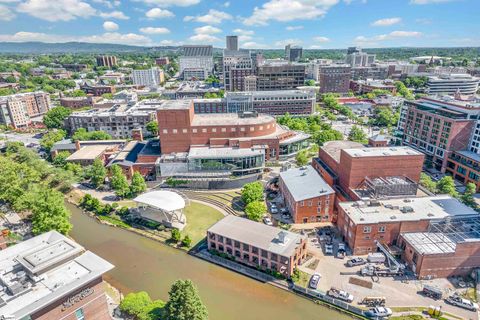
49,138
252,191
83,135
55,117
255,210
357,134
185,303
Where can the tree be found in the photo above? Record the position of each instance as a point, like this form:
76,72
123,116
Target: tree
185,302
255,210
55,117
60,159
252,191
428,183
97,173
403,90
310,83
175,235
327,135
302,158
140,306
467,197
51,137
152,127
83,135
49,212
187,241
118,181
357,134
138,184
446,185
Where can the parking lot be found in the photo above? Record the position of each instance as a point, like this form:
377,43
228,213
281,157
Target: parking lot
400,292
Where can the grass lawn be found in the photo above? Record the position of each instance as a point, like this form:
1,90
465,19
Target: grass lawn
199,218
304,279
127,203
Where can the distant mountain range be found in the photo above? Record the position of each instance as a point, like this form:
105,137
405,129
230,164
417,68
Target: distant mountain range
72,47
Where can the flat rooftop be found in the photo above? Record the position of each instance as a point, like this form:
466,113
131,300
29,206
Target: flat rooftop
334,148
430,243
469,154
382,152
175,104
223,152
305,183
89,152
43,269
220,119
405,209
258,235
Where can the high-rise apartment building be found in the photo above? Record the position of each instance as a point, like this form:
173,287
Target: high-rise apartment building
280,76
293,53
196,61
334,78
152,77
106,61
232,43
237,64
357,58
17,110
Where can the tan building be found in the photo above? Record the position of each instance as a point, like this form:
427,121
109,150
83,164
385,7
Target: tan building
52,277
257,244
17,110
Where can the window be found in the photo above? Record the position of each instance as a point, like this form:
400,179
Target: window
184,130
204,130
174,130
224,129
165,131
242,129
367,229
381,229
194,130
79,314
214,130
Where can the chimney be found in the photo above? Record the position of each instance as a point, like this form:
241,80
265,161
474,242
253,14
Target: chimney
137,134
282,237
77,145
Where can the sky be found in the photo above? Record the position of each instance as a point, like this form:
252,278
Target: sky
313,24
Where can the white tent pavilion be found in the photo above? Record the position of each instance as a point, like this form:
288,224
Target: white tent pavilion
165,207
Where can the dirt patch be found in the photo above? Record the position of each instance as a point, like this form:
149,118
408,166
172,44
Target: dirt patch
361,282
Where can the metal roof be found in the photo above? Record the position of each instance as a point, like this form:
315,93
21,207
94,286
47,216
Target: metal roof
164,200
305,183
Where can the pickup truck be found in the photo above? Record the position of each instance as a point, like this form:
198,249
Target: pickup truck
340,294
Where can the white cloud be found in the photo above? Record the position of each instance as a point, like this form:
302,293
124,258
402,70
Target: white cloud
207,30
170,43
58,10
321,39
292,28
9,1
171,3
289,10
151,30
159,13
283,43
107,3
204,38
108,37
243,32
6,14
362,40
315,47
213,16
386,22
110,26
253,45
226,4
114,15
429,1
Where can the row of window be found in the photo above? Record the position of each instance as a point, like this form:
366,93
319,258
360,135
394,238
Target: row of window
214,130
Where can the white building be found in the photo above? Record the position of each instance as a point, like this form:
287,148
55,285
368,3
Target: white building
357,58
196,61
150,77
451,83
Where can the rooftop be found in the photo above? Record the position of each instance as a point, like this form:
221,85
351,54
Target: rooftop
164,200
469,154
430,243
382,152
305,183
405,209
43,269
89,152
334,148
175,104
258,235
219,119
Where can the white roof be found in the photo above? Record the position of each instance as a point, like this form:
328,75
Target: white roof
382,152
165,200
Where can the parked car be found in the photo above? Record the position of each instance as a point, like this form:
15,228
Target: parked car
284,210
328,249
462,303
378,312
356,262
432,292
373,301
313,283
341,246
340,294
268,221
341,254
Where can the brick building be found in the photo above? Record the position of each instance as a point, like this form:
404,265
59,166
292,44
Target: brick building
257,244
361,223
77,102
464,166
97,89
307,196
17,110
106,61
334,78
280,76
52,277
450,247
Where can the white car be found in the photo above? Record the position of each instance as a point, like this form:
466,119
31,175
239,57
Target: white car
328,249
378,312
462,303
268,221
340,294
313,283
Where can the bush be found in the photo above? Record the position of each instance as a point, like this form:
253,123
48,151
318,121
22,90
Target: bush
187,241
176,235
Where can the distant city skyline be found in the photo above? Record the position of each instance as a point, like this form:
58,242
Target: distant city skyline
312,24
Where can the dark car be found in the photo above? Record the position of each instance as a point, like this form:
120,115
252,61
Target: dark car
356,262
